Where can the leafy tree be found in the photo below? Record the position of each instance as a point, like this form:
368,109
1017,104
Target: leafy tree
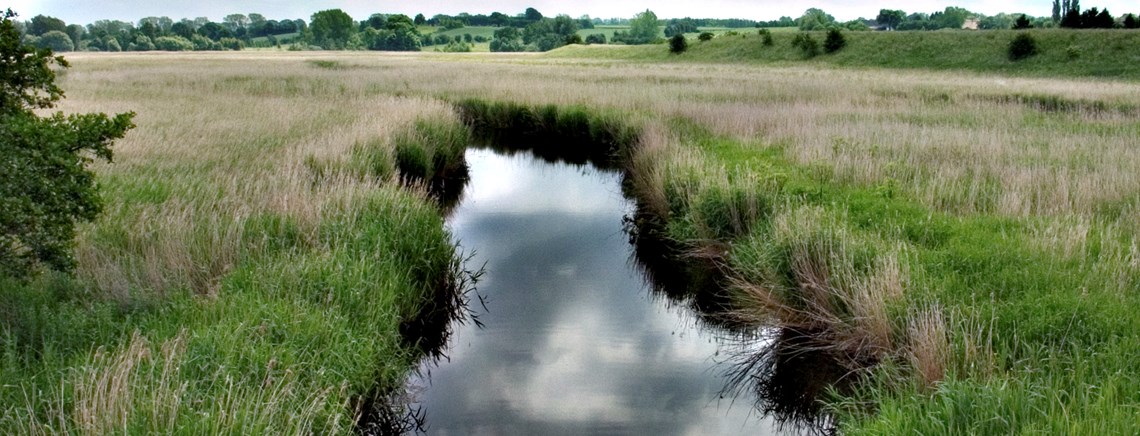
42,24
420,20
1022,46
235,22
891,18
1130,22
507,39
56,41
45,186
1022,23
182,29
398,33
705,36
815,19
532,15
142,43
331,29
835,41
1056,11
678,44
214,31
596,38
76,33
548,34
644,27
676,27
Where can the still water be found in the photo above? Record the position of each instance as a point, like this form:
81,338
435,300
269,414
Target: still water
574,339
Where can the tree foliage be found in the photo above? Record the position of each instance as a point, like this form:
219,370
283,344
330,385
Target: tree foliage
45,186
331,29
815,19
643,29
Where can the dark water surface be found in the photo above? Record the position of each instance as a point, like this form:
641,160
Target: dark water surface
574,339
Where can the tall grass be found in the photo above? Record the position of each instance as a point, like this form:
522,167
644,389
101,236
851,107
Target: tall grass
973,236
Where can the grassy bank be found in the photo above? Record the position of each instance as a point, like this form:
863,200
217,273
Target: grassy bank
259,268
966,242
1063,53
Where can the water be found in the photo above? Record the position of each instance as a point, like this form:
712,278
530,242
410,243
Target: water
574,339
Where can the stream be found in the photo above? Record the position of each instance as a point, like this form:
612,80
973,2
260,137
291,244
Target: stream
574,340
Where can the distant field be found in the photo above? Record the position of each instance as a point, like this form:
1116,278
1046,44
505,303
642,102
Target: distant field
1062,53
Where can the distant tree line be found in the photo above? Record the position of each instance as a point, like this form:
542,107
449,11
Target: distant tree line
526,31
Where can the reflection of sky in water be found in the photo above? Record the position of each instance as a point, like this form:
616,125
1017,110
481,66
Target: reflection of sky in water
573,341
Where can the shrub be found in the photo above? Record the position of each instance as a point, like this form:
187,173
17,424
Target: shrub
596,38
705,36
835,41
678,44
806,44
173,43
1022,46
481,38
56,41
766,35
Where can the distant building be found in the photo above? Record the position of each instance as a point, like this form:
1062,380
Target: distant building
970,24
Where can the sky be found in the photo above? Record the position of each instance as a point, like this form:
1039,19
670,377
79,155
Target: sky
87,11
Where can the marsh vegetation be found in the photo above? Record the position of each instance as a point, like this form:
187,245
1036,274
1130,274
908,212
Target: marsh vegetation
963,245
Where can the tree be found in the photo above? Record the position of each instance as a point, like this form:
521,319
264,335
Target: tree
45,185
532,15
644,27
56,41
1022,23
815,19
235,22
420,20
596,38
1130,22
507,39
1056,11
42,24
705,36
331,29
678,44
891,18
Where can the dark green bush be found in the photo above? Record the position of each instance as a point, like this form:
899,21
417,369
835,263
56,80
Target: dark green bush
1022,46
705,36
678,44
766,36
835,41
806,44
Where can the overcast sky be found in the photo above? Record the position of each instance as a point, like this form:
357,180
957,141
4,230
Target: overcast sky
87,11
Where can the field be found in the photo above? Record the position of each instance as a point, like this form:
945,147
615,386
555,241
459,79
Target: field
966,242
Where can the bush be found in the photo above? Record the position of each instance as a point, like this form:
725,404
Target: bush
45,186
766,35
173,43
806,44
835,41
1022,46
678,44
481,38
596,38
705,36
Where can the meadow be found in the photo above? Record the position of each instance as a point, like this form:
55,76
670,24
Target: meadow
964,243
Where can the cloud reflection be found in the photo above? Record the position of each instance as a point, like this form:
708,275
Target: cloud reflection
572,343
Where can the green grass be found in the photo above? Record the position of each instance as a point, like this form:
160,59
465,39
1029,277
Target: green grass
1063,53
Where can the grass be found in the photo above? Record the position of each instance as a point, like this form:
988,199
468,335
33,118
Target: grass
965,241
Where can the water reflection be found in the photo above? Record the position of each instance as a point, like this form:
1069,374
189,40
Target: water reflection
573,342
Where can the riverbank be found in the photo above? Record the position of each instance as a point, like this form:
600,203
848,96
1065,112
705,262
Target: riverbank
967,242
